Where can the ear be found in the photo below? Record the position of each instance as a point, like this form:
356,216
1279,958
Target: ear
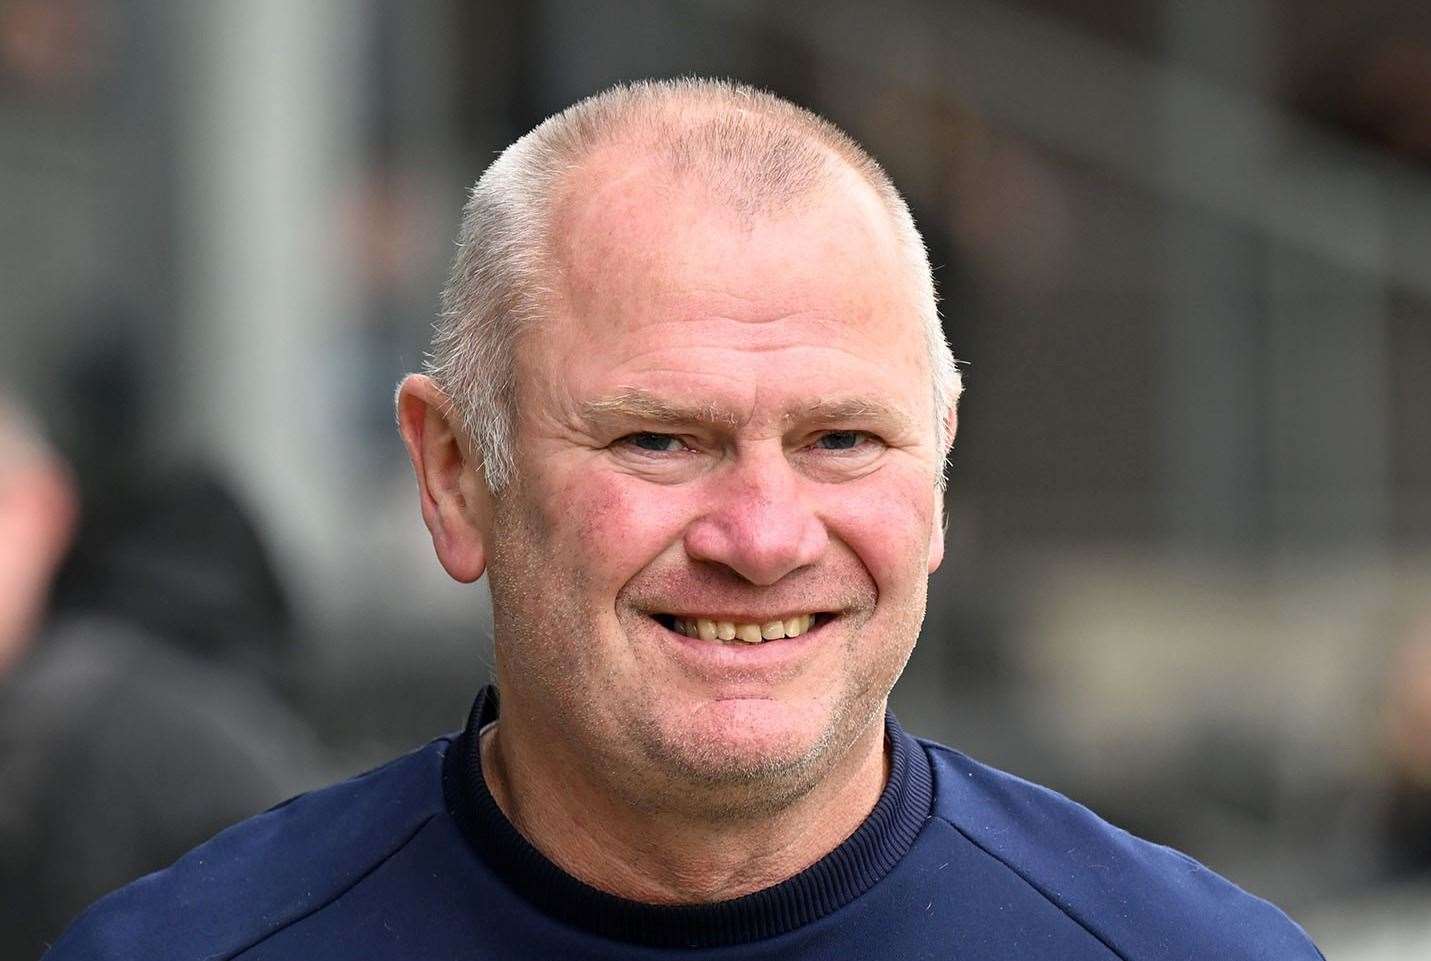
936,533
452,490
941,522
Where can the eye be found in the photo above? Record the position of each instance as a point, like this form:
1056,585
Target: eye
841,439
656,443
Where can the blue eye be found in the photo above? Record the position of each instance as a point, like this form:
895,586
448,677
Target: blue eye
658,443
840,439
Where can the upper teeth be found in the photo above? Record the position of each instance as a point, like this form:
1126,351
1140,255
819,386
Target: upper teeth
709,629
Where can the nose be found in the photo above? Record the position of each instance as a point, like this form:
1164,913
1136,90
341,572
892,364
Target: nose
758,521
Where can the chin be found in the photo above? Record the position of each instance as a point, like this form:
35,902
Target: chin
744,741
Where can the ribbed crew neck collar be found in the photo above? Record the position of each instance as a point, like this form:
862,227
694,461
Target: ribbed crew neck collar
827,885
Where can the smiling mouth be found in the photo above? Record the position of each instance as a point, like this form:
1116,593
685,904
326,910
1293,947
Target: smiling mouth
741,632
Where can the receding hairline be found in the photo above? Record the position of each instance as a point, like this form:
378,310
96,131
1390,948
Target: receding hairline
656,121
637,146
582,198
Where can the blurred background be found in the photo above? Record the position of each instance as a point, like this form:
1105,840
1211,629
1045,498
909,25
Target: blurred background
1184,249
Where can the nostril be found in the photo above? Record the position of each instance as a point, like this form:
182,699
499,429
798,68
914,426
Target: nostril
761,538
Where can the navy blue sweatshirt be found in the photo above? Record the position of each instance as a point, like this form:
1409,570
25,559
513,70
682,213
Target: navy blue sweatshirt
415,860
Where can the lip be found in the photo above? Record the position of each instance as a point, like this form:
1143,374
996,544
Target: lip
722,660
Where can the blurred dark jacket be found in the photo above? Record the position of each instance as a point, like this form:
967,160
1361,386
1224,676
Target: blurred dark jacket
151,712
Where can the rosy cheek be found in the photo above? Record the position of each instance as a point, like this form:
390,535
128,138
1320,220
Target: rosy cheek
886,523
612,516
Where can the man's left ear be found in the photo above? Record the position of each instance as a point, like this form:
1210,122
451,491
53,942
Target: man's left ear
452,489
936,533
941,523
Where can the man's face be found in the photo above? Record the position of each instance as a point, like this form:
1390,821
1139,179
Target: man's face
725,420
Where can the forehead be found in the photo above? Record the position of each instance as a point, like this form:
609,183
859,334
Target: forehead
626,209
648,265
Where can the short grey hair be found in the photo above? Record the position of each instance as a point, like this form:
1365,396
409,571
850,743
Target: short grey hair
751,149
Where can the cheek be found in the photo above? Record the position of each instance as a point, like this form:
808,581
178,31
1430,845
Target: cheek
887,523
615,524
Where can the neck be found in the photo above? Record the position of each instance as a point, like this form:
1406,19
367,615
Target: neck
669,856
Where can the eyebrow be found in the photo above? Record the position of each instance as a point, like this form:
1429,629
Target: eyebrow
637,404
850,409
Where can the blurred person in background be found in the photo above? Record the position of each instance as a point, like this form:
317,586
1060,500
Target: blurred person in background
689,410
1406,821
39,510
129,729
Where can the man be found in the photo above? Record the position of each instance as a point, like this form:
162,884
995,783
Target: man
688,411
119,749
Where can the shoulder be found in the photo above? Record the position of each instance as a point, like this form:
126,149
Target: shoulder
115,704
125,755
1142,900
266,873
